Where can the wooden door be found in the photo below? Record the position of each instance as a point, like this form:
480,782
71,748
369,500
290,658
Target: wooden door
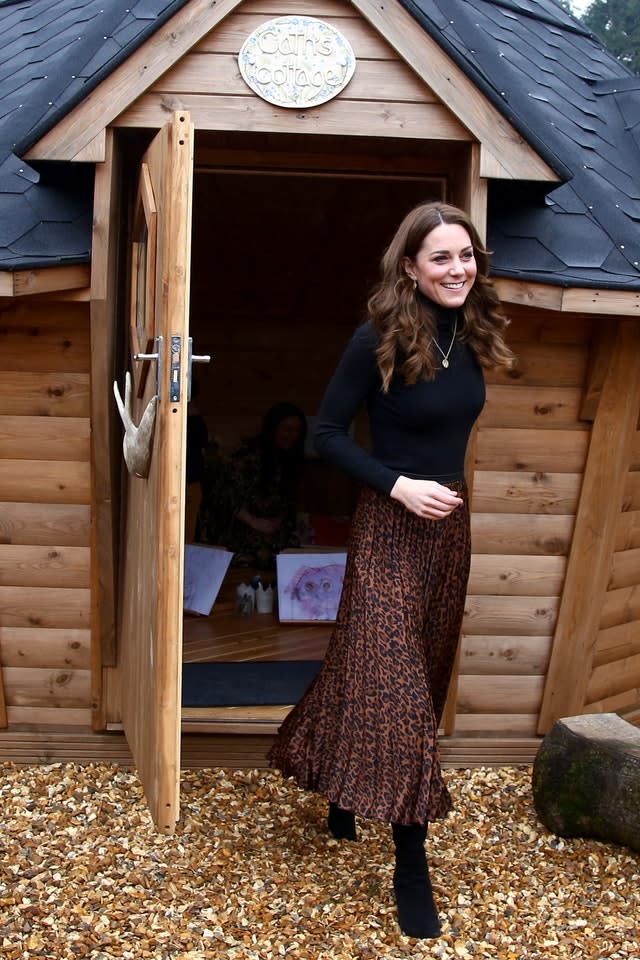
152,545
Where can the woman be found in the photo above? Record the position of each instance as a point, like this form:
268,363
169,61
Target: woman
250,508
365,734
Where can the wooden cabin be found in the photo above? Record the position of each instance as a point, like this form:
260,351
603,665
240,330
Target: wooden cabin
148,195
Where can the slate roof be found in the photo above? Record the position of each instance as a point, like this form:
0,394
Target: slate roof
580,109
52,54
573,102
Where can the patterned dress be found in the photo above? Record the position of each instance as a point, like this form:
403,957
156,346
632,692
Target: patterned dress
365,733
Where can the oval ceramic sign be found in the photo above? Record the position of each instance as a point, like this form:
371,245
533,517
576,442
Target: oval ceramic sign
296,61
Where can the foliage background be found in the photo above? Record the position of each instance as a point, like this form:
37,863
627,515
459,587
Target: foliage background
617,23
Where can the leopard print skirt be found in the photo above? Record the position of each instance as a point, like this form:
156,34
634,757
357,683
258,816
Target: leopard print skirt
365,733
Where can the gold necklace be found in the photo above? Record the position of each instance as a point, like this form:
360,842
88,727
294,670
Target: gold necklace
445,356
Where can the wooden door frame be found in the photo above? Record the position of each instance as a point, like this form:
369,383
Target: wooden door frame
109,317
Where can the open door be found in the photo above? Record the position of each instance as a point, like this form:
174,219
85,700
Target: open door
152,550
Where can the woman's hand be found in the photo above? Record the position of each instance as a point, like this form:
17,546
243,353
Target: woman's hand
425,498
266,525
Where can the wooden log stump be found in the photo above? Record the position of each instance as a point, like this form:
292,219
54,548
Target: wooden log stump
586,779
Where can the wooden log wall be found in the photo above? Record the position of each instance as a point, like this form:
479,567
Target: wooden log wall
45,513
530,452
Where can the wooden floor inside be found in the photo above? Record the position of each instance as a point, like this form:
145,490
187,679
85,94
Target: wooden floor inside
227,635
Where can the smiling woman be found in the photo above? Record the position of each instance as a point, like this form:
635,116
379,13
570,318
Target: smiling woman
444,268
365,733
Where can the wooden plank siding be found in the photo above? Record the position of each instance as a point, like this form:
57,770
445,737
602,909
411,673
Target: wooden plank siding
230,750
614,683
530,452
45,513
595,642
384,98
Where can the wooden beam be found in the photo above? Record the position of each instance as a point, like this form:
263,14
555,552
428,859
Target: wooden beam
589,563
541,295
617,302
226,749
103,346
69,138
517,160
3,704
22,283
95,151
589,300
339,117
599,364
478,195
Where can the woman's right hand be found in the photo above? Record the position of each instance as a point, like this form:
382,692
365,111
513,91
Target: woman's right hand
426,498
265,525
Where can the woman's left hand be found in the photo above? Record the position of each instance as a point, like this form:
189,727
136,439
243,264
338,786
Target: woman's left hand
426,498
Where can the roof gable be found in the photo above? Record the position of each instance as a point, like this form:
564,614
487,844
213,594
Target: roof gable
504,153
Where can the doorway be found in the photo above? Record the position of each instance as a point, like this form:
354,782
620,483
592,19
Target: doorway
287,238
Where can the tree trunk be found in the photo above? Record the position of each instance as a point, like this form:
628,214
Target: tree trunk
586,779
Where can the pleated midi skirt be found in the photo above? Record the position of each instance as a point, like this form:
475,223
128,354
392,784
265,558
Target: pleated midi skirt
365,733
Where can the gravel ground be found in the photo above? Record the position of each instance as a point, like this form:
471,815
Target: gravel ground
252,873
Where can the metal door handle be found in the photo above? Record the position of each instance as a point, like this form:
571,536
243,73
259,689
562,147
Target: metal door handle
202,358
154,356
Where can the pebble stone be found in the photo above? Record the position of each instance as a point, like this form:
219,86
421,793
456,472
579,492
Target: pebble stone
252,874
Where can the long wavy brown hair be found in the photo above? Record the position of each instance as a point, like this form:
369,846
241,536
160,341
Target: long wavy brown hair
404,322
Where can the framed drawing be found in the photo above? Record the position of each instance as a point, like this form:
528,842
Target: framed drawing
309,585
143,277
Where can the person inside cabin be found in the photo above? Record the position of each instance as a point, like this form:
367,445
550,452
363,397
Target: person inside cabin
250,504
365,733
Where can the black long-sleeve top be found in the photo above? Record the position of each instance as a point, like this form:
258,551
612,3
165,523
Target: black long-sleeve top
419,430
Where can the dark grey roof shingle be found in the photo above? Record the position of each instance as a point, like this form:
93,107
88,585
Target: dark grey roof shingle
53,53
573,102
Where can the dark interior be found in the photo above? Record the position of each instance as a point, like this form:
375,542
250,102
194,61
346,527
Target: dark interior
284,253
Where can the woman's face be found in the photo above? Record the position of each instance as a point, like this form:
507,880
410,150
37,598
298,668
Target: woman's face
445,266
287,433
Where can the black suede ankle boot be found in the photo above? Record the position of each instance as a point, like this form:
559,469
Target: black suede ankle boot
417,914
342,823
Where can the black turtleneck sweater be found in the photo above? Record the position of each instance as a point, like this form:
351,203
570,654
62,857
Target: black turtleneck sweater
419,430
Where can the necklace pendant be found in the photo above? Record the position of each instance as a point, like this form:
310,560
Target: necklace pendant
445,362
